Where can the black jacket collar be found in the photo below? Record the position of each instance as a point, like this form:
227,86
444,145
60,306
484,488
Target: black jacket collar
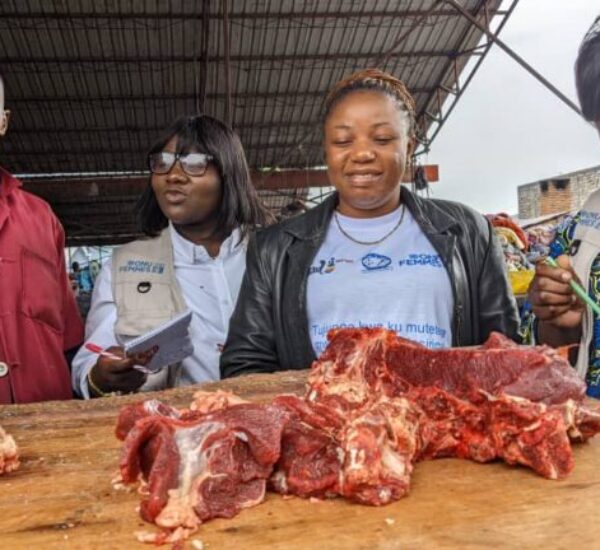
314,224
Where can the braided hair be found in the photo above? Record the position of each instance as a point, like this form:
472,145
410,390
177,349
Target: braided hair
587,73
374,79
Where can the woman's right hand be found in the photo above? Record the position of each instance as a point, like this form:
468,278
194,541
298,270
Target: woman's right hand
553,300
112,375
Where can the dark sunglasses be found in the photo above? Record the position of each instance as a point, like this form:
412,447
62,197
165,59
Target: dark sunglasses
193,164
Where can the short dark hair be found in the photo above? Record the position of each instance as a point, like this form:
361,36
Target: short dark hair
240,204
587,73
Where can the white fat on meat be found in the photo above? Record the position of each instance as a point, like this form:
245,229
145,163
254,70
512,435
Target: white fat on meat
356,459
351,385
151,406
242,436
159,538
393,462
193,470
210,401
570,410
9,453
279,481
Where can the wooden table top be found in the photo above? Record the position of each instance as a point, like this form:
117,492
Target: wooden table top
62,497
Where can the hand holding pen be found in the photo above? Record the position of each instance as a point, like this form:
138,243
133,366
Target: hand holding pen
116,372
577,289
553,296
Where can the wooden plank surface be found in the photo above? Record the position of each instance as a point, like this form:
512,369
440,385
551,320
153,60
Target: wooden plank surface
61,497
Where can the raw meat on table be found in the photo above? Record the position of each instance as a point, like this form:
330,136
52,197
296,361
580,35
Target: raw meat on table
375,405
199,466
9,453
499,400
358,362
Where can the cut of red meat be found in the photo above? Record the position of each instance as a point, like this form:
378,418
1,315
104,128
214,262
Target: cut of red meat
513,429
582,422
380,446
451,427
310,459
353,367
531,434
151,452
130,414
535,373
200,467
358,362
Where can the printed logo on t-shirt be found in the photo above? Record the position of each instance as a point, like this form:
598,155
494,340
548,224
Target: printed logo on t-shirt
376,262
327,266
411,260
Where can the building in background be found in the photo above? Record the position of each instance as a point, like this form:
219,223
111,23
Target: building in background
557,195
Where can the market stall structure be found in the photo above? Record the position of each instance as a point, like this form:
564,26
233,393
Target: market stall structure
91,85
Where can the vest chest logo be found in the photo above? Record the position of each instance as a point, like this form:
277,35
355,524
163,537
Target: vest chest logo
141,266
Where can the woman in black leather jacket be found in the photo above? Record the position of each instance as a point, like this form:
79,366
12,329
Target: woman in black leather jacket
373,254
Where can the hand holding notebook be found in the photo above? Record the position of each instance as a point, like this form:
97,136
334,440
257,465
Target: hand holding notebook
171,340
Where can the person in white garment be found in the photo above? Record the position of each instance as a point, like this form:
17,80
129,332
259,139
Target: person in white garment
198,210
555,315
372,255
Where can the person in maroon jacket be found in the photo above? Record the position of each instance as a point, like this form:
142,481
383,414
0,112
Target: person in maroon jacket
39,321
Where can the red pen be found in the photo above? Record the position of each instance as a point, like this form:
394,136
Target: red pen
94,348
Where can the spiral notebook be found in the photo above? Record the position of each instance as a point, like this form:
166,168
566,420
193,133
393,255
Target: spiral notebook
172,339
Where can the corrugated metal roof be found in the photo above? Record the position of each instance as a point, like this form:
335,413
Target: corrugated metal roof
93,82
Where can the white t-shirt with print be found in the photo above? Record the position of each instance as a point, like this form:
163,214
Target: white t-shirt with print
399,284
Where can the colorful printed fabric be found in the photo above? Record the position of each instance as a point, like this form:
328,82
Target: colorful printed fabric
561,245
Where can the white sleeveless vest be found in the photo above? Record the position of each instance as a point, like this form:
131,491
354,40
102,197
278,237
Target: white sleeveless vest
146,294
585,248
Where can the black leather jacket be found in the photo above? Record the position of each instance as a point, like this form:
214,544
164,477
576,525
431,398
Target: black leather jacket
269,328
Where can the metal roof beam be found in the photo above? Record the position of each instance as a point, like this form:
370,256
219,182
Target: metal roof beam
81,151
511,53
136,128
101,189
98,192
233,58
48,100
7,15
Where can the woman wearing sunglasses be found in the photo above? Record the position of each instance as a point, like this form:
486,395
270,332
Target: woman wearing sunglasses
198,209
